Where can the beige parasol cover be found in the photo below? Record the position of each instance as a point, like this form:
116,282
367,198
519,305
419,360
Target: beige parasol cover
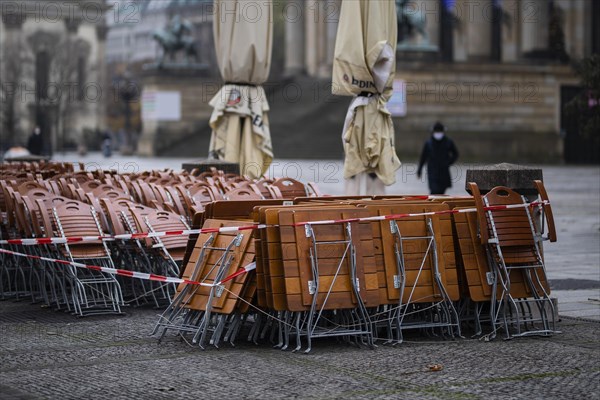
243,32
364,66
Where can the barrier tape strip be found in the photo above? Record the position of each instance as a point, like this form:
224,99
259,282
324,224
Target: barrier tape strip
145,235
132,274
427,213
127,236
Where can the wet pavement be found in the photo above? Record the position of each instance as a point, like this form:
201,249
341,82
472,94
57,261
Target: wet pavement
49,354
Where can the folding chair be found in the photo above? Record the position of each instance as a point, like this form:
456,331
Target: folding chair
93,292
136,254
513,245
416,265
319,278
208,312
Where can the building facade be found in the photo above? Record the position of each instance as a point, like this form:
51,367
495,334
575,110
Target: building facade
132,24
497,73
52,71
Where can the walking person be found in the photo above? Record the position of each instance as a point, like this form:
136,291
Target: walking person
439,153
35,143
106,144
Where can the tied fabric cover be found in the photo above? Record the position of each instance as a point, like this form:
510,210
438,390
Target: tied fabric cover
243,33
364,66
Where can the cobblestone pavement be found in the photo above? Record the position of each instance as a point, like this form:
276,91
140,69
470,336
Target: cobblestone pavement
48,354
44,354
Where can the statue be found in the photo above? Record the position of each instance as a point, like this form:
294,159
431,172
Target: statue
412,22
175,38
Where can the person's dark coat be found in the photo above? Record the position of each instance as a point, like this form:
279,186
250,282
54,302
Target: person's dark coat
439,156
35,144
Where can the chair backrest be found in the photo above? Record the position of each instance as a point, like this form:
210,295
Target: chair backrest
290,188
242,194
24,225
204,194
512,227
177,201
25,187
55,188
137,212
159,193
34,215
90,186
76,219
79,219
46,218
10,204
109,194
114,221
147,193
136,191
164,221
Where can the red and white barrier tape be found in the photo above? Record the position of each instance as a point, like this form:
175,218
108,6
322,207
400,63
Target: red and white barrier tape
131,236
242,271
422,214
132,274
127,236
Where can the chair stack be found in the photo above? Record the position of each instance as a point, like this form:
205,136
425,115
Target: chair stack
44,200
364,270
303,267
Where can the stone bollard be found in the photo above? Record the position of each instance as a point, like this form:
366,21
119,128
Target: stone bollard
206,165
516,177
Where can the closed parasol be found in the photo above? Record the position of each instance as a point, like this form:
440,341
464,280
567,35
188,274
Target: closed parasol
243,33
364,66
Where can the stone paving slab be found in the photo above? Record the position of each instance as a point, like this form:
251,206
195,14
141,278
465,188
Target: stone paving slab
579,303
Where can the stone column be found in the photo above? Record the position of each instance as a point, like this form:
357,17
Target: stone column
67,121
101,33
460,37
318,35
510,32
294,37
430,10
321,40
477,17
12,74
574,12
534,25
332,17
311,39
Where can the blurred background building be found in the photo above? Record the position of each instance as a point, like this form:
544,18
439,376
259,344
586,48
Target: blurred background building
52,64
130,39
498,73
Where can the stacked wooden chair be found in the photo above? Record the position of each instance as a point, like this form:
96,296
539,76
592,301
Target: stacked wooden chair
519,292
323,270
92,292
208,312
358,269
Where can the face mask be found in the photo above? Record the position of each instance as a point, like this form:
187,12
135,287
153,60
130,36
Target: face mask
438,135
